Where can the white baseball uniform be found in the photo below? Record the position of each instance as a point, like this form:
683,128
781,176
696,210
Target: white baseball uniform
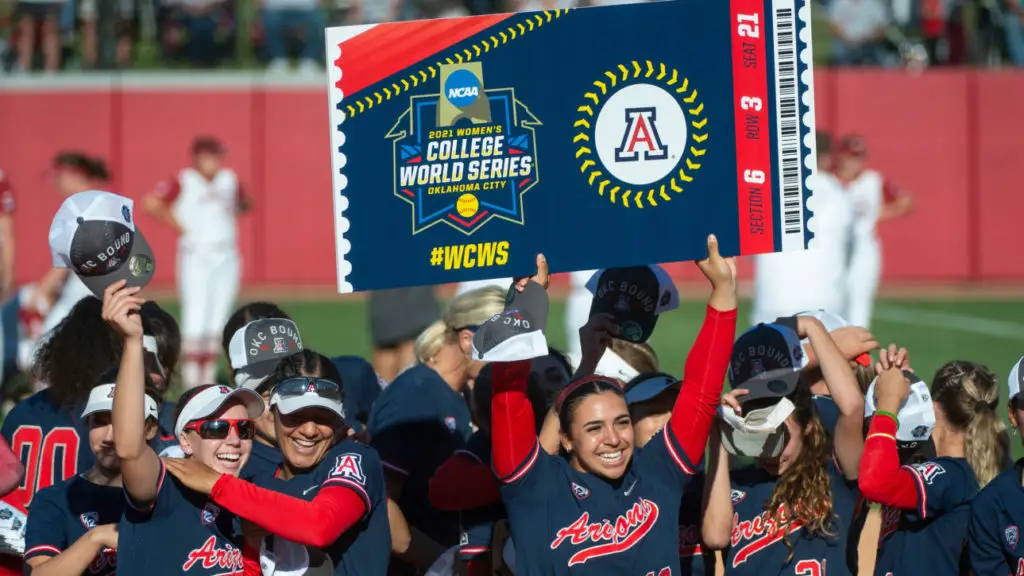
209,264
786,283
868,192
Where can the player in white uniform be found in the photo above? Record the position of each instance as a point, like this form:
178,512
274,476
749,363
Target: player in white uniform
201,203
786,283
874,199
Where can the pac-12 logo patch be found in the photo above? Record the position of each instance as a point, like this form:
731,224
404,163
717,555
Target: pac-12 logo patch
1011,534
466,155
350,466
640,136
210,513
90,519
580,492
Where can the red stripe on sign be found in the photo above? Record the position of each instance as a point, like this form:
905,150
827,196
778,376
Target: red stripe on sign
753,140
389,48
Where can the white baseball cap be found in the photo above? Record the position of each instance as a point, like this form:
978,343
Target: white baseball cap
916,415
149,344
759,433
209,402
613,366
101,399
1015,381
286,401
93,233
257,348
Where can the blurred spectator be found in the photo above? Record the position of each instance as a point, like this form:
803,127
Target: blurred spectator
105,21
304,18
42,17
858,27
420,9
1013,22
201,20
371,11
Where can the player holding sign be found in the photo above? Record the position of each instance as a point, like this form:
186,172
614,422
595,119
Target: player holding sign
201,204
563,510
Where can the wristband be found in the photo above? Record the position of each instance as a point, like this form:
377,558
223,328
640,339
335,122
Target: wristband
890,415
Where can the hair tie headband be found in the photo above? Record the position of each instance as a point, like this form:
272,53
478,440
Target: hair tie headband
573,386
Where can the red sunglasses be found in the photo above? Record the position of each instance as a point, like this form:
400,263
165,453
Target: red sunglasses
220,428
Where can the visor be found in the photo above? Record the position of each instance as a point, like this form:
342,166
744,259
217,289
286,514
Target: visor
312,397
647,386
149,344
210,401
758,434
101,399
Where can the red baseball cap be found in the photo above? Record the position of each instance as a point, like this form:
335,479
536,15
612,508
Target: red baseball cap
853,145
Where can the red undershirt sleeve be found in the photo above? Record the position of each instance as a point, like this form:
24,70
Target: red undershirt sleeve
480,566
251,561
317,523
881,478
512,426
462,483
703,378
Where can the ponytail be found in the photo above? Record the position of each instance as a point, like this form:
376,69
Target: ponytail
969,396
430,341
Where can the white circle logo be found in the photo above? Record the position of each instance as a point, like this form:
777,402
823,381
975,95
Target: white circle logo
641,134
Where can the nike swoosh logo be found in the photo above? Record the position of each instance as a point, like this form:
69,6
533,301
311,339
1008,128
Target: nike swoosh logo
630,488
308,490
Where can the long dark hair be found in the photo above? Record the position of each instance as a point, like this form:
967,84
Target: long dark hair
91,166
76,353
574,395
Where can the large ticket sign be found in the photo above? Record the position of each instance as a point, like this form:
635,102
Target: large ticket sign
600,137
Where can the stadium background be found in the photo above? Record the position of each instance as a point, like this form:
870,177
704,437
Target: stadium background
953,279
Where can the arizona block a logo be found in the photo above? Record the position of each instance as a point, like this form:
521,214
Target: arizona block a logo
606,537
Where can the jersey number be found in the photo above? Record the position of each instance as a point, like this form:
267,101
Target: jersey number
810,568
40,454
666,571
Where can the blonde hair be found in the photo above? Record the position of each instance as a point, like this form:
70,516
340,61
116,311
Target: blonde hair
804,491
969,396
641,357
471,308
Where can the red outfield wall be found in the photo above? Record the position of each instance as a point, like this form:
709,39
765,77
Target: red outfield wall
951,138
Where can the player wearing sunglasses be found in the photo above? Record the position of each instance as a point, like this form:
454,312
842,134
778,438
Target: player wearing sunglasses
168,528
72,526
330,489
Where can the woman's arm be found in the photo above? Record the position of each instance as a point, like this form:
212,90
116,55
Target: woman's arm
882,479
316,523
513,437
548,437
716,511
77,557
141,470
463,482
842,386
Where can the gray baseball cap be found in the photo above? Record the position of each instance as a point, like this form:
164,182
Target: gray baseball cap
256,349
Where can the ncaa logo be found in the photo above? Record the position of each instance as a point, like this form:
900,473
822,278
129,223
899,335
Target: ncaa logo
641,134
462,88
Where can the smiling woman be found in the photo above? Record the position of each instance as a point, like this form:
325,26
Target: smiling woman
330,488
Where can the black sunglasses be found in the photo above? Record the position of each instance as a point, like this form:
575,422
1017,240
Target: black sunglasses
325,389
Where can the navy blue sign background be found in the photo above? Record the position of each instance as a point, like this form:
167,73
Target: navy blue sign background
550,69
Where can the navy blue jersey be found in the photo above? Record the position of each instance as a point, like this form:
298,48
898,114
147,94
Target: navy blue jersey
757,549
694,558
827,411
994,538
165,439
476,527
568,522
181,532
51,441
263,462
361,384
417,422
63,513
930,540
365,547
